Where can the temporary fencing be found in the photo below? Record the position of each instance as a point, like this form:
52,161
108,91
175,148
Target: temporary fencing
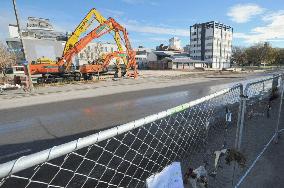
196,134
261,102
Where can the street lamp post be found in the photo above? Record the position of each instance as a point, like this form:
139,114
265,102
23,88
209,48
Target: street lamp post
23,48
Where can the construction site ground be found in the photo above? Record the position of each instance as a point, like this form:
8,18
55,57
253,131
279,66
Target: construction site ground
268,171
148,79
53,115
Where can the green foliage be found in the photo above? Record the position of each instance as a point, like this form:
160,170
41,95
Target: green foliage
256,55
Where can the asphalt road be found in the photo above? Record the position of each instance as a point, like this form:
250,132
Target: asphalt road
30,129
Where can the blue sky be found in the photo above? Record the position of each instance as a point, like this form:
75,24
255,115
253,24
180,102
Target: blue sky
152,22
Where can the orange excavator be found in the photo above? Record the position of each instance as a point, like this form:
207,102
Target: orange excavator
63,68
88,70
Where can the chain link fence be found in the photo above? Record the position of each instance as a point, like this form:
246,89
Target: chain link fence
125,156
261,103
197,134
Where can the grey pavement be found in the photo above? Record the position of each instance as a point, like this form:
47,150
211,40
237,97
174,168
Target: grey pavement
269,169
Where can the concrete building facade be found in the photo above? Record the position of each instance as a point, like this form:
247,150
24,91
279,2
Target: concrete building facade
93,51
39,40
212,42
144,56
175,44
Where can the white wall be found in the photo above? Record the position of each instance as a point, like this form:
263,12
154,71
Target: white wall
175,43
13,31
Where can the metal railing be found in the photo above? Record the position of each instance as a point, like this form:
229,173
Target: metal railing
126,155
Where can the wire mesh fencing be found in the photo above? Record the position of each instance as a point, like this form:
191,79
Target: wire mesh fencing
261,102
195,134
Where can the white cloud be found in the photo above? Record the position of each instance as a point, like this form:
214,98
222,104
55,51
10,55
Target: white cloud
272,15
140,28
159,39
272,31
242,13
153,3
113,13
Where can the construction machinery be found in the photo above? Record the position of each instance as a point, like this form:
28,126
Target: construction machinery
64,69
88,70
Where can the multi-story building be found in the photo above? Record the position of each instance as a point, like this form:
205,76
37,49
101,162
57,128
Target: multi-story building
144,56
39,39
212,42
186,49
93,51
175,44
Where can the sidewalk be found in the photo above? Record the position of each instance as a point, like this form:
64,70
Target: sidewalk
269,169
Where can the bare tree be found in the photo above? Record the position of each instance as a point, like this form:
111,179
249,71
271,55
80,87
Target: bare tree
239,56
7,59
280,56
261,54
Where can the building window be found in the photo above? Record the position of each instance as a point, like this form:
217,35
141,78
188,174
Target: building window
105,49
111,49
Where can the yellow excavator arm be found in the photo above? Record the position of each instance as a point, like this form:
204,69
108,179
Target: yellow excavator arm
84,25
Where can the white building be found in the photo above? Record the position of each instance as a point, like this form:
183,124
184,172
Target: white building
144,56
39,39
94,50
212,42
175,44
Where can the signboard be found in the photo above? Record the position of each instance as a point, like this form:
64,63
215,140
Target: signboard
229,117
169,177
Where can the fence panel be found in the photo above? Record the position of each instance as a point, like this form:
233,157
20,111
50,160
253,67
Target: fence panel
261,111
126,155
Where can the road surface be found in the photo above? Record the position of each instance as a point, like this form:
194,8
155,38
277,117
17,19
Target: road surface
29,129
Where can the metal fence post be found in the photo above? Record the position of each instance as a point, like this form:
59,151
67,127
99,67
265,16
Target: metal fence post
241,115
263,87
280,109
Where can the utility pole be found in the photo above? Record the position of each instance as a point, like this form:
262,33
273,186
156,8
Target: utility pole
23,48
